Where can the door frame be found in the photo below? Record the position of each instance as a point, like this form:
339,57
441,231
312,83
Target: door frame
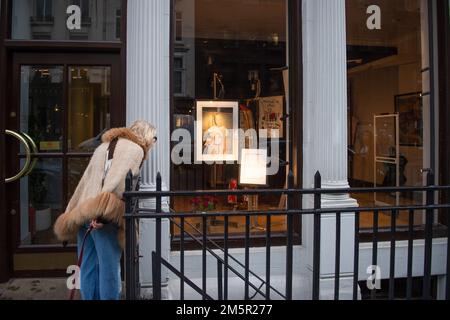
4,252
8,48
117,117
443,34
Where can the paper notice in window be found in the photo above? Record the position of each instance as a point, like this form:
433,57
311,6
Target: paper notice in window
271,116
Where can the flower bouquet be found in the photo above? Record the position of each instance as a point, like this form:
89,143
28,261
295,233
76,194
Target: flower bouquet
204,203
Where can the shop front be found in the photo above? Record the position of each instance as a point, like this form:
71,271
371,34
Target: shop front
365,112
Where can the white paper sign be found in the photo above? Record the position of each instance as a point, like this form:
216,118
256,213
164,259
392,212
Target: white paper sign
271,116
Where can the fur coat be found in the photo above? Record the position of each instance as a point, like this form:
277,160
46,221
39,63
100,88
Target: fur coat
92,201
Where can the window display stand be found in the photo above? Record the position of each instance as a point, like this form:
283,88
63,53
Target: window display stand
214,222
387,153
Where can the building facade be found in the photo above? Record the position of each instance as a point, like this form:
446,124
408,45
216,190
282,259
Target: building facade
356,89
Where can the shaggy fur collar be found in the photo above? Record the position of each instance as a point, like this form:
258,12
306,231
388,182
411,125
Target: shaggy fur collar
125,133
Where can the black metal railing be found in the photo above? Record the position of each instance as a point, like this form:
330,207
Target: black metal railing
228,264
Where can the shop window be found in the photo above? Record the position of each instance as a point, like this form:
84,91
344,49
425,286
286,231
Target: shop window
229,58
389,103
179,74
57,20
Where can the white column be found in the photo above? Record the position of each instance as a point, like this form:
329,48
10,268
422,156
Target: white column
148,41
325,129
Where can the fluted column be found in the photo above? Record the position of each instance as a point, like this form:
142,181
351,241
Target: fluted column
325,125
325,128
148,42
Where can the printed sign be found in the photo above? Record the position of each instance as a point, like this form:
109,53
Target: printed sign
271,116
50,146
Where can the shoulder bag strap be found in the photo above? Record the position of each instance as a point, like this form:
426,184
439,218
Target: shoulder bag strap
108,160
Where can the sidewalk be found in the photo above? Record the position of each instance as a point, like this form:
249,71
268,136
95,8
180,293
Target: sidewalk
35,289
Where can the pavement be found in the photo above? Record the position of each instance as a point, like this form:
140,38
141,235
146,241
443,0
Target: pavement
35,289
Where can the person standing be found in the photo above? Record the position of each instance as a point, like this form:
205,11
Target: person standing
97,205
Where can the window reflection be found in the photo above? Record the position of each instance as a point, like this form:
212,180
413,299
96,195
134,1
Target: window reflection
41,106
89,106
41,201
47,20
44,10
84,6
52,180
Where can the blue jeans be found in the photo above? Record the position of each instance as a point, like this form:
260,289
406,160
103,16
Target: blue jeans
100,269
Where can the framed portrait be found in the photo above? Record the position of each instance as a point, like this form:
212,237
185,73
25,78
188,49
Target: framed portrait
217,131
410,110
271,114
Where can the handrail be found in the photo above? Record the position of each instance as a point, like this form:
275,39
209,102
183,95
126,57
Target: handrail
165,263
193,237
153,215
155,194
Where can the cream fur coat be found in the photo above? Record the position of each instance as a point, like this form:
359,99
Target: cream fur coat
92,201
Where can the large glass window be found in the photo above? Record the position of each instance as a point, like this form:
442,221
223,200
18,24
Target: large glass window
388,101
229,57
85,20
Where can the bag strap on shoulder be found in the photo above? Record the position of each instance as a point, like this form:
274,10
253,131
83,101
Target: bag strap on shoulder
112,148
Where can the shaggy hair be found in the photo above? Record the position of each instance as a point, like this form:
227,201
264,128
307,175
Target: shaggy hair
146,131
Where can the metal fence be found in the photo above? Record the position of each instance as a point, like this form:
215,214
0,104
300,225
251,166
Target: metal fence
264,288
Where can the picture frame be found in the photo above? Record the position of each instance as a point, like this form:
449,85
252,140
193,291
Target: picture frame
410,110
217,131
